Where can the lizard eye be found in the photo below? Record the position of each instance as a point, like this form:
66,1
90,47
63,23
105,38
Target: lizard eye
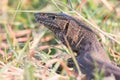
51,17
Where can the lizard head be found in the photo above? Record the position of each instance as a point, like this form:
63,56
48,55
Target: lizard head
53,21
65,26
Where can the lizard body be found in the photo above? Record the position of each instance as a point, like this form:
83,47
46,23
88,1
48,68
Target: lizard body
82,40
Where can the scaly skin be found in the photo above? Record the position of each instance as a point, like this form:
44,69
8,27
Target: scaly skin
82,40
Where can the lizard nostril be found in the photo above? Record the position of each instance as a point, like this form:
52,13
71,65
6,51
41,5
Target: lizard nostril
36,15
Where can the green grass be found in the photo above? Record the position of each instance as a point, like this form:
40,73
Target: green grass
29,55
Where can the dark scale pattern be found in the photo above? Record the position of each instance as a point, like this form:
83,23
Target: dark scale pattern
82,40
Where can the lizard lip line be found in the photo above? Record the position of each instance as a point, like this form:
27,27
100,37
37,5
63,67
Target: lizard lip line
45,23
48,24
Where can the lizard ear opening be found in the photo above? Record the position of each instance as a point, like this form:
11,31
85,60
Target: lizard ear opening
66,27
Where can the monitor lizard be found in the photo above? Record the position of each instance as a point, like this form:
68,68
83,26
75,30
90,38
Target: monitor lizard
82,40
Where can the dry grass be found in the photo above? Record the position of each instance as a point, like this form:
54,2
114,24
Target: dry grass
28,50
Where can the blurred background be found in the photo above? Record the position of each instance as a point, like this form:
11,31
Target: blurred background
28,49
